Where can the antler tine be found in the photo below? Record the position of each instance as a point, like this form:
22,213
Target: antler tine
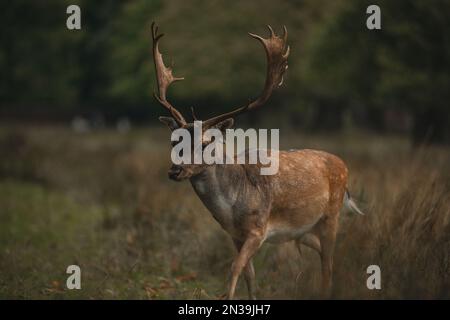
277,52
272,34
164,78
194,117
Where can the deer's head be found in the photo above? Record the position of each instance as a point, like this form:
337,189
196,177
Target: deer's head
277,53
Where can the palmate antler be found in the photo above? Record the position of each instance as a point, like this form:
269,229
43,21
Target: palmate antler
277,52
164,78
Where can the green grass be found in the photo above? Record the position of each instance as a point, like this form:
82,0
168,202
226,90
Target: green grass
43,231
102,201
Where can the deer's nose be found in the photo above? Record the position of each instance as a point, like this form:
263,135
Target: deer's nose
174,171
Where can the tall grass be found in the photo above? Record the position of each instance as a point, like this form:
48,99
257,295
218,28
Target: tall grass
102,200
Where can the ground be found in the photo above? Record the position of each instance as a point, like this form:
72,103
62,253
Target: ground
102,200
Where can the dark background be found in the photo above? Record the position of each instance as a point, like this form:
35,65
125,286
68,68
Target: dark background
83,159
340,73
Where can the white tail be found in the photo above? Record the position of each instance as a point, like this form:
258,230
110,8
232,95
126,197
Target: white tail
350,204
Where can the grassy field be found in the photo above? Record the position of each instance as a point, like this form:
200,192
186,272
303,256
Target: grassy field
102,200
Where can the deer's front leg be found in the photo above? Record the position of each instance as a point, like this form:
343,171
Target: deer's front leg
248,249
249,273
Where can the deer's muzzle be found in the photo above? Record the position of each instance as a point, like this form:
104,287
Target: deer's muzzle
179,173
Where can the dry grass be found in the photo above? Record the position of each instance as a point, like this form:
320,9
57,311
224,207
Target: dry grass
102,200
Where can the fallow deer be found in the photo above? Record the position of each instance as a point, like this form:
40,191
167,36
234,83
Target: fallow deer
301,202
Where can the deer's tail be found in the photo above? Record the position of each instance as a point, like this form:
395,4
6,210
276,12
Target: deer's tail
350,204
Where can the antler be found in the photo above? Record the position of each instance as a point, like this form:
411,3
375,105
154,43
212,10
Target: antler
277,53
165,78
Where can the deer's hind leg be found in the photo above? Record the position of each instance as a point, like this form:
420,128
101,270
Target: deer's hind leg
310,240
326,231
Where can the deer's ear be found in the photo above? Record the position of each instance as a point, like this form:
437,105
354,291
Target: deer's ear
225,124
170,122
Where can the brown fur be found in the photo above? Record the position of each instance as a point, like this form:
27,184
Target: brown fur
301,202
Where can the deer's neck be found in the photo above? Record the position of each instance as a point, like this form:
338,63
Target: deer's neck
219,188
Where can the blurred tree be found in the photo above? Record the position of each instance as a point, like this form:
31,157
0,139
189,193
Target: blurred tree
336,65
415,64
405,65
130,67
36,58
92,52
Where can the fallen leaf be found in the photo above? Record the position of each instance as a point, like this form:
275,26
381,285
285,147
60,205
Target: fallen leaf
187,277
